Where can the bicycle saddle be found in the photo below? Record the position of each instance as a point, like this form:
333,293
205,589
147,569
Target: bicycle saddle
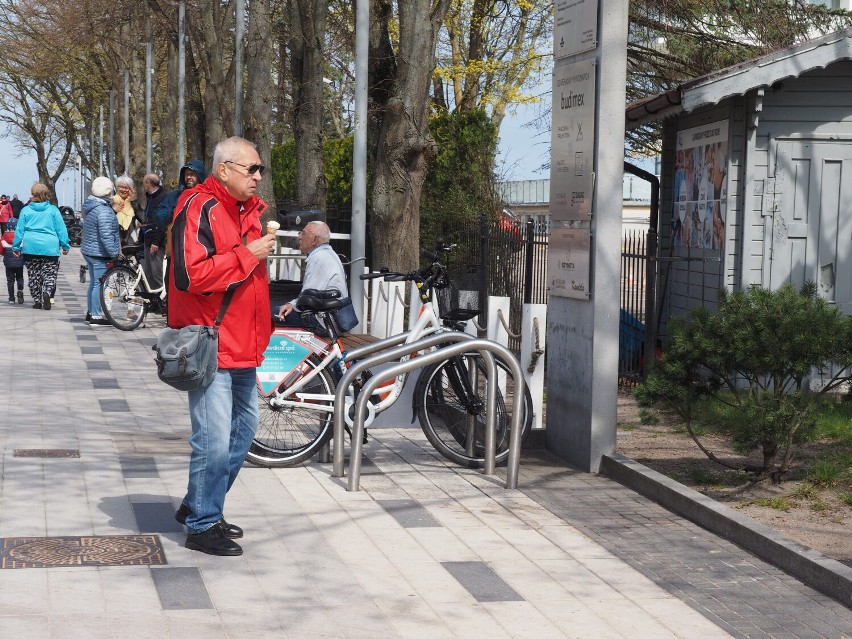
317,300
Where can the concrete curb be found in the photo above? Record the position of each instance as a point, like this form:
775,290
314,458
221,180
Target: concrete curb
828,576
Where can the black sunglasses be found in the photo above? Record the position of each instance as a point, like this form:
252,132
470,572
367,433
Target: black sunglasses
251,169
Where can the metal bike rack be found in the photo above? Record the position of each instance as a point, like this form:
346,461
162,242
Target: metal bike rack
484,347
359,353
360,363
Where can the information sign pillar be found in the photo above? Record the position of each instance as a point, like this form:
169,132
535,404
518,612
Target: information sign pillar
584,258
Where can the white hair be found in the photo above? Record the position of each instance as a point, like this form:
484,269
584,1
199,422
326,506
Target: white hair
321,231
228,149
125,181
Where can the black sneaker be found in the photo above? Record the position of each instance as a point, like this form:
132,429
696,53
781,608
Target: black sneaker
37,305
20,297
213,542
88,317
231,531
99,321
46,301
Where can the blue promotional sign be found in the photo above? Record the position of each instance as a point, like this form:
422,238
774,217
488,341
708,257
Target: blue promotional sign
280,357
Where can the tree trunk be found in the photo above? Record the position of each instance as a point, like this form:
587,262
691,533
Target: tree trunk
138,132
308,24
260,91
215,45
197,113
403,146
170,163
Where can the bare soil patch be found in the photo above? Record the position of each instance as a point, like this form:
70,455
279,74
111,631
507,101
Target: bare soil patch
816,517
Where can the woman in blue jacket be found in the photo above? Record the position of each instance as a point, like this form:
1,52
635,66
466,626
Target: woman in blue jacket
39,237
100,243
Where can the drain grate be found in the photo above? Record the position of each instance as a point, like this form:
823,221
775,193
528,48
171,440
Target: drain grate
114,550
46,452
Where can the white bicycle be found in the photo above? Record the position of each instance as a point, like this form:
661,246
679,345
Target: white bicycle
126,295
297,381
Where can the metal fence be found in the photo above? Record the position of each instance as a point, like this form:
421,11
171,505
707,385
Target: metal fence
632,320
512,262
516,267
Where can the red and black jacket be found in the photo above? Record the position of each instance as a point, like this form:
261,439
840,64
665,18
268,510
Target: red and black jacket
209,257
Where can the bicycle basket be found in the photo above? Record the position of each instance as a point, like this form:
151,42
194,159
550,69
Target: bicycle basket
462,299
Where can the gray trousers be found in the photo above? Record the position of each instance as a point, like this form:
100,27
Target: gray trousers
152,266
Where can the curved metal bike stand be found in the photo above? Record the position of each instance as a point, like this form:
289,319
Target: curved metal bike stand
485,348
386,355
349,356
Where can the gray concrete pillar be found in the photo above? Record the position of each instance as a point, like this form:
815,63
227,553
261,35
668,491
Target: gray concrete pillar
582,334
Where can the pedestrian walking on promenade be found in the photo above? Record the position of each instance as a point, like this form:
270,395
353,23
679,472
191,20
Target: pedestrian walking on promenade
218,246
40,236
6,213
100,244
17,205
14,264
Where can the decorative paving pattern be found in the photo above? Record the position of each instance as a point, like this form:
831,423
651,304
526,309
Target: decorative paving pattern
116,550
46,452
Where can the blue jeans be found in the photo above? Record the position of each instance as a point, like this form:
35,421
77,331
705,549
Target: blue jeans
97,268
224,419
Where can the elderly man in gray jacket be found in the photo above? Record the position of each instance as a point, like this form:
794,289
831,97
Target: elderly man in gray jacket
323,271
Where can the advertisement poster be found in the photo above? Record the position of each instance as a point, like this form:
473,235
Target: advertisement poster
282,355
568,261
572,142
701,187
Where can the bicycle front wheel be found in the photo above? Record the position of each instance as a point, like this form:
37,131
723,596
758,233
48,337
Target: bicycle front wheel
120,299
452,413
289,435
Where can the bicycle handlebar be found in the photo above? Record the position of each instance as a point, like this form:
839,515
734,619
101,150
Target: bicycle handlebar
427,277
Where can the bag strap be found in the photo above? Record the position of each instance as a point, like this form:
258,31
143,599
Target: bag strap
225,304
228,295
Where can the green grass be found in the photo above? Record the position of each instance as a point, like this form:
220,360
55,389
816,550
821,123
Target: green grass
777,503
701,476
715,415
697,427
825,473
834,421
805,491
846,498
833,418
648,417
626,426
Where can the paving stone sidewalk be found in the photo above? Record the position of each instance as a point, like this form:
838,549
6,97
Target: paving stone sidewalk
425,549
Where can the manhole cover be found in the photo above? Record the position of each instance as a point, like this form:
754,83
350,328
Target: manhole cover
116,550
46,452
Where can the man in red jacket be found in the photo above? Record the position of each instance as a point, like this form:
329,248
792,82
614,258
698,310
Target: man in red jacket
218,245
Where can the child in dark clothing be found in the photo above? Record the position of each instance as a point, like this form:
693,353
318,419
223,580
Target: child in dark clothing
14,264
